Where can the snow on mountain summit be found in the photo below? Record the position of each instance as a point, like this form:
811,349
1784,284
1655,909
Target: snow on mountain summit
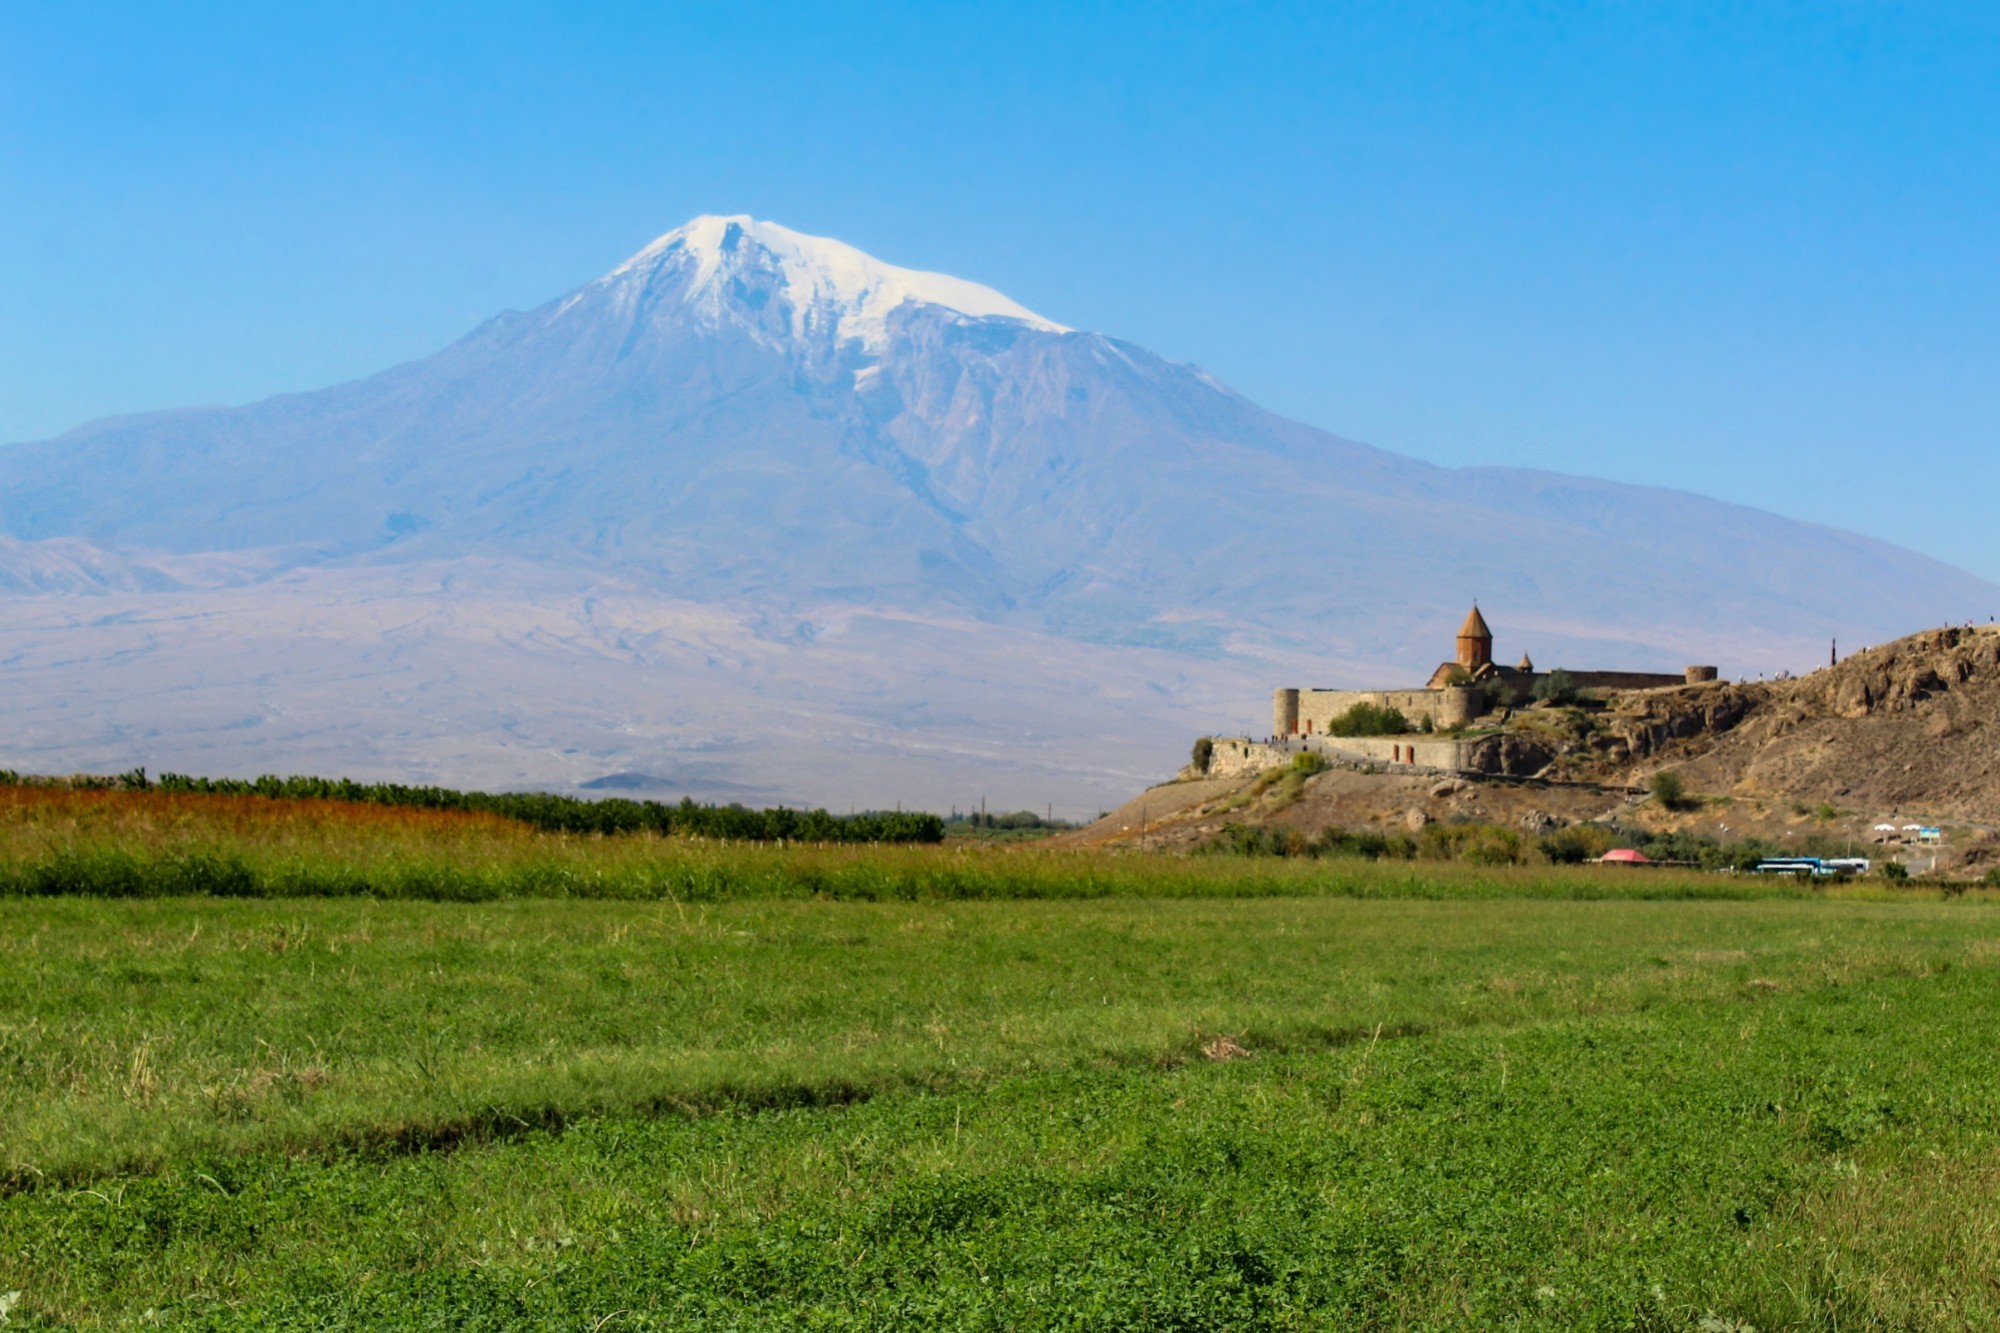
830,287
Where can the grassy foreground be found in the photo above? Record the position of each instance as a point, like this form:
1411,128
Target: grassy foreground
1121,1113
292,1064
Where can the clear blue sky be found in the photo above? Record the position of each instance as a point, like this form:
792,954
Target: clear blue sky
1751,250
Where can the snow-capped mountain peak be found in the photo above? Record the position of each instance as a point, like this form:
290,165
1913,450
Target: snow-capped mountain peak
829,286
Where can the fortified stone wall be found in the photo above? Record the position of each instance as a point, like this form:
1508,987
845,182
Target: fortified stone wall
1631,680
1307,712
1446,754
1319,707
1300,713
1242,757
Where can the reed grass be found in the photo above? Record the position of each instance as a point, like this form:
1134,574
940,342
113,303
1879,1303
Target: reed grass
151,844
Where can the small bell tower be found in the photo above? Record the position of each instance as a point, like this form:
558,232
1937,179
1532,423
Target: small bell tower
1475,641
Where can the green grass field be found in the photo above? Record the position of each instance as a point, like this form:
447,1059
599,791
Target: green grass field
1455,1099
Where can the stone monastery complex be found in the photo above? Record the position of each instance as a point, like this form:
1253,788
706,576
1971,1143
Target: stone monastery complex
1459,692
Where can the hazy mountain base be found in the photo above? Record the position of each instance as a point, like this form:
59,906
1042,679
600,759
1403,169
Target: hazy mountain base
498,676
508,674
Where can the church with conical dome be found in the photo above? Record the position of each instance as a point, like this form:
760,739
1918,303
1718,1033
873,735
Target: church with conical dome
1474,661
1475,641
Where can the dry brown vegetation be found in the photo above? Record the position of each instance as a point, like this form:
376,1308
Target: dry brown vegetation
57,816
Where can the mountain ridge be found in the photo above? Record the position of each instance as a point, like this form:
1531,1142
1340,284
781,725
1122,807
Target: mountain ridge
984,470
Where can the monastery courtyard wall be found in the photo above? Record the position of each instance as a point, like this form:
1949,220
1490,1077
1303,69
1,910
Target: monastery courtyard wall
1302,712
1240,756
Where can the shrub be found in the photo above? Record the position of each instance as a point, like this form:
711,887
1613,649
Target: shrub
1992,878
1204,754
1687,848
1309,762
1366,719
1895,871
1578,843
1558,687
1495,847
1477,844
1257,840
1669,790
1270,840
1364,843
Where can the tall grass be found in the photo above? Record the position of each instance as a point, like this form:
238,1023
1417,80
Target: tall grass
153,844
543,810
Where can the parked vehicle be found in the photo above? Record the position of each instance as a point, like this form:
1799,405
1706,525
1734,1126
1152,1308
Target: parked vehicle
1802,867
1814,867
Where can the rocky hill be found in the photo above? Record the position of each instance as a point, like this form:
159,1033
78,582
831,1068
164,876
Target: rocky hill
1906,731
1913,725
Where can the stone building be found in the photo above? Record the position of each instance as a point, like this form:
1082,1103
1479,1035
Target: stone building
1459,691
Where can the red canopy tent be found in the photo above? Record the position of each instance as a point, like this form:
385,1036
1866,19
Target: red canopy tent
1624,856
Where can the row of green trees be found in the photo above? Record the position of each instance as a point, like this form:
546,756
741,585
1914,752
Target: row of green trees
563,814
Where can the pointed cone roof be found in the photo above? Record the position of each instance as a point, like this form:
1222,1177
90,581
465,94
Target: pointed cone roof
1474,626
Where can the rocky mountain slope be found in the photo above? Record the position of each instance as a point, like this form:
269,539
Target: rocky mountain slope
923,499
1910,726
